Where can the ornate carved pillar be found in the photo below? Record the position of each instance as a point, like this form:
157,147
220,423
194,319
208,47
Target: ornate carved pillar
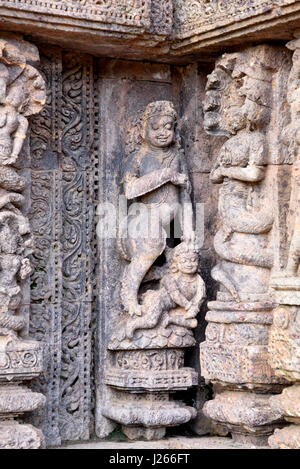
240,105
284,344
22,93
145,363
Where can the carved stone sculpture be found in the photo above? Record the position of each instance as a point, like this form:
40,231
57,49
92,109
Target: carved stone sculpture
22,93
284,344
235,354
146,360
157,177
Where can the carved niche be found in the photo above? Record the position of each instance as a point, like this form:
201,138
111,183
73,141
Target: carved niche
239,105
146,357
22,93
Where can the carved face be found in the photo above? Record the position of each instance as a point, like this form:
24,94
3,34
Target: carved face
160,131
235,119
187,262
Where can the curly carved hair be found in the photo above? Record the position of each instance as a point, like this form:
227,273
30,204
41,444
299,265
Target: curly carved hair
134,138
182,248
160,108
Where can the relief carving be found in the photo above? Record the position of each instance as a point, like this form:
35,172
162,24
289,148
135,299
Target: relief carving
193,17
155,175
22,93
238,105
65,147
155,320
240,167
284,345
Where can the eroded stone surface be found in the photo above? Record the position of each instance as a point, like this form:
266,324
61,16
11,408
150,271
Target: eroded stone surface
239,104
15,436
152,28
246,109
284,345
155,173
22,93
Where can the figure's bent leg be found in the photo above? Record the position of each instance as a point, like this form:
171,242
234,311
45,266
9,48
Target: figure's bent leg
152,312
144,254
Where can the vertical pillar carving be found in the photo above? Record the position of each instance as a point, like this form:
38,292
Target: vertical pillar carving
240,105
22,94
145,363
64,148
284,346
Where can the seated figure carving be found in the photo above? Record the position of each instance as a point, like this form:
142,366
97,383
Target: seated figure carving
179,297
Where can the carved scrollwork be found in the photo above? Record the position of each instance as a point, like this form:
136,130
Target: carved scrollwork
150,360
194,16
62,212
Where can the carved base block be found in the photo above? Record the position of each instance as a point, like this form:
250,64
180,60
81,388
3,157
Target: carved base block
287,290
20,359
287,438
167,380
285,358
288,405
235,351
284,350
247,416
15,400
16,436
141,433
147,411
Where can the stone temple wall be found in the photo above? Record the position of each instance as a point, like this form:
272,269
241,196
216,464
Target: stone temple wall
76,153
175,104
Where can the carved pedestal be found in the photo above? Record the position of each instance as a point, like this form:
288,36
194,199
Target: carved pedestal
142,383
234,358
20,360
284,351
